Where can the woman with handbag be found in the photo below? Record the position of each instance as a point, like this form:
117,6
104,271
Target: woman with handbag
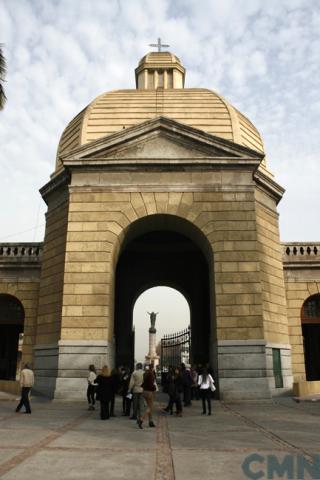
149,387
206,384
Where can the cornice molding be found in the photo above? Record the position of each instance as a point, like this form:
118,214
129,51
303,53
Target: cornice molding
57,181
268,184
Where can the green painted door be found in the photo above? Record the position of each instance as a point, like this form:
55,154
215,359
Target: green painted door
277,370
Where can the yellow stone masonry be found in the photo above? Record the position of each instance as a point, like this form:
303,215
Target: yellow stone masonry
223,217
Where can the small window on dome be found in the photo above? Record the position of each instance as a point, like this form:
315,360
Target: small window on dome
170,80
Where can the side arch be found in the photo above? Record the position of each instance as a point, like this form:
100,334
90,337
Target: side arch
12,316
310,323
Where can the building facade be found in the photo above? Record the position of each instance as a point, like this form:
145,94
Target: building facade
165,185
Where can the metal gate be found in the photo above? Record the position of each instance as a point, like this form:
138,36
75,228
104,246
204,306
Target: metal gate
175,349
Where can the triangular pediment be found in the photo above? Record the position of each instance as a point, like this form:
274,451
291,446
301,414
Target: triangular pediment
161,140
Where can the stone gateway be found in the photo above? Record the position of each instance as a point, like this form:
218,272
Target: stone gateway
163,185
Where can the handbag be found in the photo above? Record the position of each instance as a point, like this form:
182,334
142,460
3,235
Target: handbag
212,386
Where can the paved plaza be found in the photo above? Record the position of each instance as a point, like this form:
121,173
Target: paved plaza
63,440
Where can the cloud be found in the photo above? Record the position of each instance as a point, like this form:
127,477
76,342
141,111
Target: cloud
262,56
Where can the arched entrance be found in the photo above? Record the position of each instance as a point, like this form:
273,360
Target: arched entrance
174,317
310,319
165,250
11,326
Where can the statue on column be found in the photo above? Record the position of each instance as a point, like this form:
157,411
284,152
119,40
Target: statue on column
153,317
152,356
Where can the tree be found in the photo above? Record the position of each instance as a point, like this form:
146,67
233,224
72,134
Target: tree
3,71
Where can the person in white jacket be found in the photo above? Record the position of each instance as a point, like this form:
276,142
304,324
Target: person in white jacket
206,384
91,390
26,382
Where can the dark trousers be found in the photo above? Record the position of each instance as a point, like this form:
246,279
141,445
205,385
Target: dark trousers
91,394
205,395
175,399
187,395
104,409
195,393
137,405
112,400
24,399
126,405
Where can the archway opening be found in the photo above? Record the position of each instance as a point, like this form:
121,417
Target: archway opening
310,319
164,250
11,330
172,316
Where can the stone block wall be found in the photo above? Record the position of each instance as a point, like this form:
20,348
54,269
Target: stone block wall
52,271
274,306
26,290
97,223
98,219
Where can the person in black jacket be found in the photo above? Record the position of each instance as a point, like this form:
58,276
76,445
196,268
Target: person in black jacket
124,391
168,387
104,392
187,383
175,388
178,389
115,376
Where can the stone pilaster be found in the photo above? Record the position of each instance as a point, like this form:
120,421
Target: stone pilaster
61,370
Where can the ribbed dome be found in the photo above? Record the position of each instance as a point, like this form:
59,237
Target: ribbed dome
159,57
197,107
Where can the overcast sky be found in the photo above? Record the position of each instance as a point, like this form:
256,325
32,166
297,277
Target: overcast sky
263,56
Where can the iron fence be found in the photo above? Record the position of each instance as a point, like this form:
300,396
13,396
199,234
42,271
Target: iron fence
175,349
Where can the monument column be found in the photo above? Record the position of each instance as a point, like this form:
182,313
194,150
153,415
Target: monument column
152,356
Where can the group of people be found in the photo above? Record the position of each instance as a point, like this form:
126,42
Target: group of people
135,389
180,383
184,385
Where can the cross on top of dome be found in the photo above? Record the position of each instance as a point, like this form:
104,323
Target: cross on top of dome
158,45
